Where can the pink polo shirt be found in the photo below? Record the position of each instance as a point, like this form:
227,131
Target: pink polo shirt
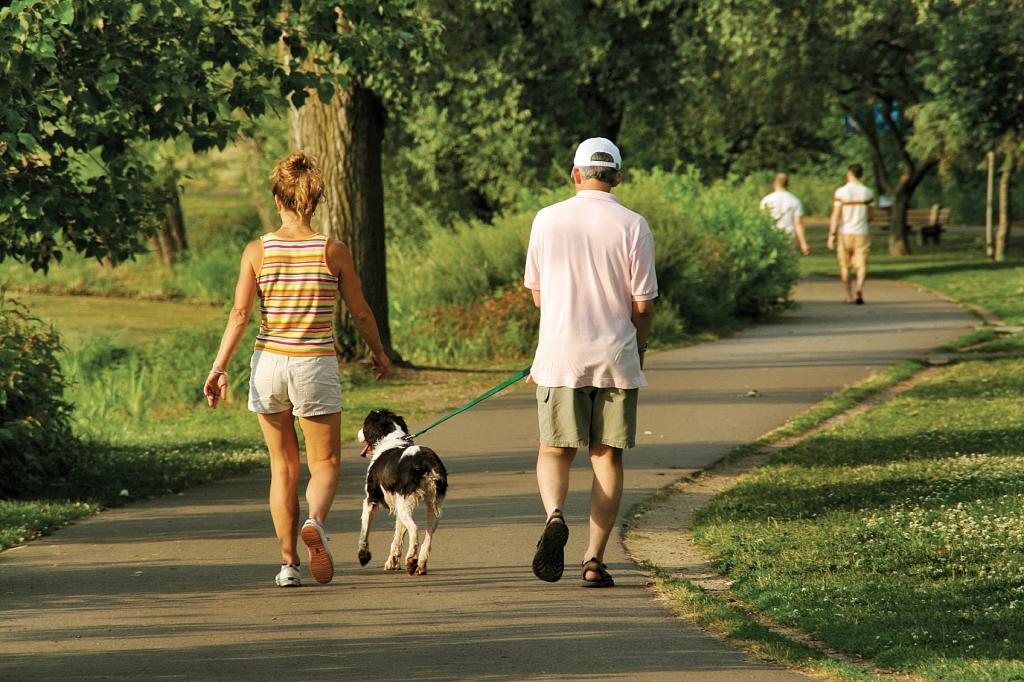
590,257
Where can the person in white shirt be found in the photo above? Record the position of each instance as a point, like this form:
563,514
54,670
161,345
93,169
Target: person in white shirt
848,231
590,268
786,210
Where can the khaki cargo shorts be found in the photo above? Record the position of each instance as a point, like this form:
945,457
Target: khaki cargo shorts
309,387
852,250
576,417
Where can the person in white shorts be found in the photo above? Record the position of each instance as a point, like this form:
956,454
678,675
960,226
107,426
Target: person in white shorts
297,274
848,231
786,210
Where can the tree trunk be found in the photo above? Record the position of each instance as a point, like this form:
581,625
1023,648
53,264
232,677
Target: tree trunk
1003,228
175,219
257,184
899,234
899,242
169,242
345,137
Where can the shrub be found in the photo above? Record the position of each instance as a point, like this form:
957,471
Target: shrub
719,261
496,327
36,441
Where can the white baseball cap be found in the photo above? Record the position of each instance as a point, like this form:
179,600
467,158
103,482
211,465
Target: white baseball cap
587,149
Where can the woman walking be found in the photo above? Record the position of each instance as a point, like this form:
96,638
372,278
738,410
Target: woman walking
294,370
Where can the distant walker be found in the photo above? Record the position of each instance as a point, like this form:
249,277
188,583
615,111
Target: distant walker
786,210
848,231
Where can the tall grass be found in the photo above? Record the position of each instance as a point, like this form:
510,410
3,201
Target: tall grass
120,391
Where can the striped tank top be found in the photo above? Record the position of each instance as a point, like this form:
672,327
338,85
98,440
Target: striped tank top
297,294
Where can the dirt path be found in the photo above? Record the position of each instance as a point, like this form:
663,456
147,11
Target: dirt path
180,588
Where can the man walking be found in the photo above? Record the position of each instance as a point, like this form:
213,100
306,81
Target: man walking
590,267
786,210
848,231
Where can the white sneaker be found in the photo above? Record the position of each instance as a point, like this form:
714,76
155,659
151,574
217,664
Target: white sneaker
288,576
321,564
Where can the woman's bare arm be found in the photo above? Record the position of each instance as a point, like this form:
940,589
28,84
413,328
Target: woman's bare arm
216,387
339,260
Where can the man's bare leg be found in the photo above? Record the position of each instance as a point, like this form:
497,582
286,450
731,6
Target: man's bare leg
553,466
605,495
862,274
844,274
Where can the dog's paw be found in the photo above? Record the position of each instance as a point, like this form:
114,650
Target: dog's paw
364,557
421,570
391,564
410,565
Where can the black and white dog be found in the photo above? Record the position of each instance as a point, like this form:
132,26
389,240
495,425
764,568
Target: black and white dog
401,475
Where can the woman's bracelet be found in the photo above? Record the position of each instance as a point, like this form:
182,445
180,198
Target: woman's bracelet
218,370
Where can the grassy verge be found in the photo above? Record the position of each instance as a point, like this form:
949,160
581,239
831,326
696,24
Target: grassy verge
896,536
835,404
718,614
218,226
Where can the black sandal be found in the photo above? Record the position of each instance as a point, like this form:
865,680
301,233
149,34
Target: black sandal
549,560
595,566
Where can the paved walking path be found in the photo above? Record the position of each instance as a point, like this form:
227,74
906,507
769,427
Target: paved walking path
181,587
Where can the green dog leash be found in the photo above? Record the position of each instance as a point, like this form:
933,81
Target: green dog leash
480,398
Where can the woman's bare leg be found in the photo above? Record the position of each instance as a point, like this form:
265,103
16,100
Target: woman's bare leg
323,456
279,432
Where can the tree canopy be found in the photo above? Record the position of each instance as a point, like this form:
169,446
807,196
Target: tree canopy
85,84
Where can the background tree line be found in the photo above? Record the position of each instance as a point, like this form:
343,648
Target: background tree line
451,109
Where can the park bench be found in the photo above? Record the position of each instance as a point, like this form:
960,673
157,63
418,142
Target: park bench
928,223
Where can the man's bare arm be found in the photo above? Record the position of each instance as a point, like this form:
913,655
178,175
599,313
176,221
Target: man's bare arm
833,224
536,297
801,236
642,318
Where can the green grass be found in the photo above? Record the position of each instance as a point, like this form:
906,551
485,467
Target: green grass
719,615
843,400
23,520
82,319
898,536
218,225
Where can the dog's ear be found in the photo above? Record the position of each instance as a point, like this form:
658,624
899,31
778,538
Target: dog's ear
373,426
405,427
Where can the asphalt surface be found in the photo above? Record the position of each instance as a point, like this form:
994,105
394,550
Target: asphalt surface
182,587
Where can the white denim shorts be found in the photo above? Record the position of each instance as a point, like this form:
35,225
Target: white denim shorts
309,387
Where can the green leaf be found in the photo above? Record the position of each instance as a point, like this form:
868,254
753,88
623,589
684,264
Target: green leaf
66,12
107,82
